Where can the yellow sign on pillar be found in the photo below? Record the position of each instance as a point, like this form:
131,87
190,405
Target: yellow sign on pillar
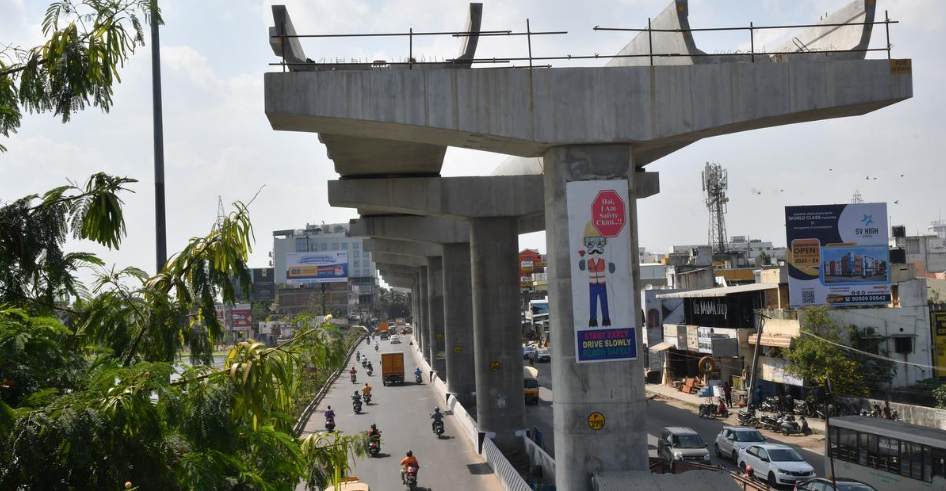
939,332
596,421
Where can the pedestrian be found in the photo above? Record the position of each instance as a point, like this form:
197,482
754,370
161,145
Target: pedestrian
532,356
886,409
727,391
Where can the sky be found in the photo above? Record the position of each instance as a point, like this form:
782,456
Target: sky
218,142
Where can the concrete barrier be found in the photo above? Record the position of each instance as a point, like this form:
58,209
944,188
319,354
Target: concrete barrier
307,412
929,417
507,474
538,458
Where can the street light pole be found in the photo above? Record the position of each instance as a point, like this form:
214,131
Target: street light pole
160,226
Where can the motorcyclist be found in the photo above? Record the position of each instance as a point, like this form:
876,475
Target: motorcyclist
329,414
353,373
374,433
376,346
417,372
356,397
366,390
358,356
369,367
722,410
409,461
437,416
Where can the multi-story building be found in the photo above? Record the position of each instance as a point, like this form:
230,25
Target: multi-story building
927,253
357,295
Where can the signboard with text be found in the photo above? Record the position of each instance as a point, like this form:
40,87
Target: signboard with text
317,267
605,324
838,255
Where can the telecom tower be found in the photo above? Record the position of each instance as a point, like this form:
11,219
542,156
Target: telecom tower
715,184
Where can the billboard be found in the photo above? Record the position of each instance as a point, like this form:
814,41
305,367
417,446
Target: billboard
838,255
599,237
317,267
236,317
938,319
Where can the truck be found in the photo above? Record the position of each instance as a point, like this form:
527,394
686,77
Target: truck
530,379
392,368
383,330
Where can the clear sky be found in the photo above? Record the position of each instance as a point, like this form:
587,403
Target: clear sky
219,142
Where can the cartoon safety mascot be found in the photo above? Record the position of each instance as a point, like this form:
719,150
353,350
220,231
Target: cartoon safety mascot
595,264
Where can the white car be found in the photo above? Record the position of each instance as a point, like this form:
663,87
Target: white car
777,464
735,438
395,339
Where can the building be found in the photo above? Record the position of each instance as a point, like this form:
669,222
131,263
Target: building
357,295
927,253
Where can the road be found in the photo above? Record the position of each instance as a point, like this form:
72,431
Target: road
660,414
402,415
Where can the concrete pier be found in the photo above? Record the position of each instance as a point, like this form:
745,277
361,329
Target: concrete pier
424,312
458,322
614,389
435,302
494,258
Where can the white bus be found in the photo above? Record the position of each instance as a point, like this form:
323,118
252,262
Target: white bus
887,454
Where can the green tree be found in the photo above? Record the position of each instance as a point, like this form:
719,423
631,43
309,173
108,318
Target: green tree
102,401
87,42
394,304
817,358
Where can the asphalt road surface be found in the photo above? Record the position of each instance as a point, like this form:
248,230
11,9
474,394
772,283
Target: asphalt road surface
402,415
660,414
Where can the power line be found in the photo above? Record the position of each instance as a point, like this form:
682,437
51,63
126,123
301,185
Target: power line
871,355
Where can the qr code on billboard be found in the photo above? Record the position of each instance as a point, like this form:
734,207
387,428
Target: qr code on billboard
807,296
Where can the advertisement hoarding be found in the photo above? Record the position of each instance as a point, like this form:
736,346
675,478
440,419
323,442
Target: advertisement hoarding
599,238
317,267
838,255
938,320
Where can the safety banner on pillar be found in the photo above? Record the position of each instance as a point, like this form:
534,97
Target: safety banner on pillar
600,240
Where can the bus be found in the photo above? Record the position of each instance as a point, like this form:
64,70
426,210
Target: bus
887,454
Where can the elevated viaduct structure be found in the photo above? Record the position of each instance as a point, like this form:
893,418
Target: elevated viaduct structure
580,139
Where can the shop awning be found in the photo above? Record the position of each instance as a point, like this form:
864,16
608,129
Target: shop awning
661,346
773,340
721,292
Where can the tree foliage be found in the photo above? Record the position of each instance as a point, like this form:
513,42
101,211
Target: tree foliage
394,304
101,399
816,360
87,42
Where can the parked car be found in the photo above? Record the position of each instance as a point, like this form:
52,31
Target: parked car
735,438
844,484
679,443
543,355
395,339
777,464
527,352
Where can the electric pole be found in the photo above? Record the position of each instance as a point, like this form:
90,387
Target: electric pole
160,226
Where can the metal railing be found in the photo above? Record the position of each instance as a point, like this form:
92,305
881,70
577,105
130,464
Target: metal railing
531,59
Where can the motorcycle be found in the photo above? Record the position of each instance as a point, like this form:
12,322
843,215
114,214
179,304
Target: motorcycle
769,423
356,406
330,425
353,379
804,426
708,409
802,408
788,426
367,398
364,363
376,346
370,371
747,418
770,405
374,447
410,478
417,378
438,428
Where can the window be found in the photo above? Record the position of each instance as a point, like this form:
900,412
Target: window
324,246
356,245
888,454
302,244
903,345
357,264
334,246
